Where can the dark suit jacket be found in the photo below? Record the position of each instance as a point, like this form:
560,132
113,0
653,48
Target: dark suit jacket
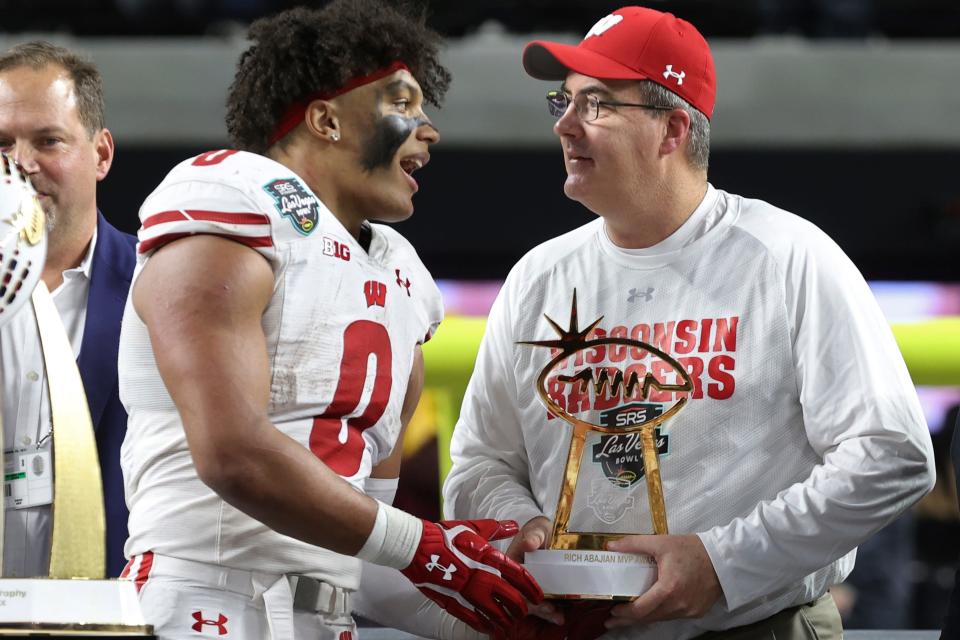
951,621
114,258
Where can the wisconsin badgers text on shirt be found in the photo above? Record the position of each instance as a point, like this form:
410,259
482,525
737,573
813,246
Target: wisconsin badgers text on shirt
705,348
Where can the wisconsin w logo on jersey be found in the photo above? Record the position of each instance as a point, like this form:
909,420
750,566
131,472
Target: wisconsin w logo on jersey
375,292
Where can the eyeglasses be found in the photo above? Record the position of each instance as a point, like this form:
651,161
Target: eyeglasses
588,105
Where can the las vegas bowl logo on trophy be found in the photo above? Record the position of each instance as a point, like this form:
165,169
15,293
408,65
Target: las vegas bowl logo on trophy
625,440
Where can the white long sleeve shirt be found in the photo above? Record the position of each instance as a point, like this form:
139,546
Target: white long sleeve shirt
803,434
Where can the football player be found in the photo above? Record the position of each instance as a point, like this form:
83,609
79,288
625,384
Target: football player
272,340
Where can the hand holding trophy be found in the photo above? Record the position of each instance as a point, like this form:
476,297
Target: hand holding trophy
597,503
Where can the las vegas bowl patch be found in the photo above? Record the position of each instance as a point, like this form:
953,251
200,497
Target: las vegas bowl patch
295,203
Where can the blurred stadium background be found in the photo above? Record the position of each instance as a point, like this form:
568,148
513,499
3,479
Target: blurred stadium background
846,112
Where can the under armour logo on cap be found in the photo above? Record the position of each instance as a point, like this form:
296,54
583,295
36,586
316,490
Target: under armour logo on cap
670,73
603,24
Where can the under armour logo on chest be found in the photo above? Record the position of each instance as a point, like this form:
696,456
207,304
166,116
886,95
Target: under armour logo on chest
636,294
670,73
220,623
435,564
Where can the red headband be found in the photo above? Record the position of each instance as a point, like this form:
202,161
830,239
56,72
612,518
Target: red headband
295,112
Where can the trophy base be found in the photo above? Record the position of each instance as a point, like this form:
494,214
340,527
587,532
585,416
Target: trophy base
91,608
582,574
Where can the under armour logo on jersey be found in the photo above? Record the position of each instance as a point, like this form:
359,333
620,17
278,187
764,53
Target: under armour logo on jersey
434,564
220,623
636,294
603,24
375,292
670,73
403,282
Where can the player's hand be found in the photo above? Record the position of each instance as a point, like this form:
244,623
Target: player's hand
687,585
456,567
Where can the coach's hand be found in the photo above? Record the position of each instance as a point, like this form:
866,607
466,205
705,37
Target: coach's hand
456,567
687,584
533,536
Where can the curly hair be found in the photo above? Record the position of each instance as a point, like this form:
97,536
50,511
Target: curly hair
302,51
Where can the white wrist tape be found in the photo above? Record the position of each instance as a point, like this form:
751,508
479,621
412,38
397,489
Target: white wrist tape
382,489
394,539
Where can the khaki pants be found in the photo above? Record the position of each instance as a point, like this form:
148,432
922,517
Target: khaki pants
818,620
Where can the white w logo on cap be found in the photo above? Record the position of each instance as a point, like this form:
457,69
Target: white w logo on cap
603,24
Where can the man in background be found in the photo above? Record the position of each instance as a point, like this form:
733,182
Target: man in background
52,124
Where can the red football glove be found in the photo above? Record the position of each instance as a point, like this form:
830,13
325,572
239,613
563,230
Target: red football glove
582,620
456,568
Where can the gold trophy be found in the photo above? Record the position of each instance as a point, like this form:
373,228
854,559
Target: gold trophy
74,600
602,501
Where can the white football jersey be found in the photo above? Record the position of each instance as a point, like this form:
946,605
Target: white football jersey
800,436
341,330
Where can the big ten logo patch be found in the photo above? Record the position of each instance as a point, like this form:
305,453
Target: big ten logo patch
335,248
294,202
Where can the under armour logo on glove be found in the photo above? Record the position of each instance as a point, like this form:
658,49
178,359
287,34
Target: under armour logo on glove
447,571
220,623
478,584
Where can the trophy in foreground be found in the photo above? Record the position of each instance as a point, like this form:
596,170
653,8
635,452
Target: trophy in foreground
75,600
604,500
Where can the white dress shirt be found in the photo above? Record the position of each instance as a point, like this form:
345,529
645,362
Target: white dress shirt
26,412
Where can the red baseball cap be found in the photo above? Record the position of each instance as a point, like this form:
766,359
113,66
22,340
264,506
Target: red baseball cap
634,43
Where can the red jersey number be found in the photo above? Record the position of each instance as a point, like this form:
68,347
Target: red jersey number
337,434
211,158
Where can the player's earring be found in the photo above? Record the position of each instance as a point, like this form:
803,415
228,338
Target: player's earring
335,136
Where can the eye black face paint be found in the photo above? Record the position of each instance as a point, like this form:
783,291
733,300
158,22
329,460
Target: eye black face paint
389,134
